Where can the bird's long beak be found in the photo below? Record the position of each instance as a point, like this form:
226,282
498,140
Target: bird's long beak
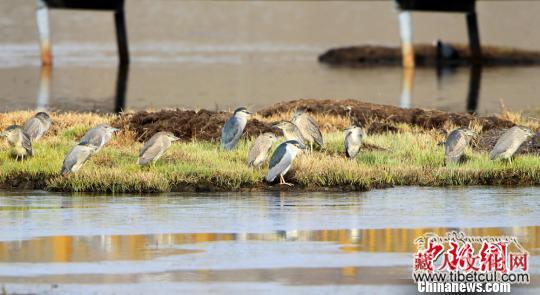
115,129
174,138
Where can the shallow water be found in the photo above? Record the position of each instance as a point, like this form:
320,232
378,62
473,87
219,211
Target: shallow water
221,54
261,242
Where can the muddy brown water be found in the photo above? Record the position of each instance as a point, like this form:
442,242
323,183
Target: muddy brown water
288,243
221,54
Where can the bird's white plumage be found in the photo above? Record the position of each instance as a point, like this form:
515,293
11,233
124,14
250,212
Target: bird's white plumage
284,164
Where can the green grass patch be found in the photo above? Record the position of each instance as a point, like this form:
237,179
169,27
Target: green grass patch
412,157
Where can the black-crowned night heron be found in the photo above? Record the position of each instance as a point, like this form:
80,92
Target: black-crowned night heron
353,140
308,127
258,152
77,156
99,136
233,128
155,147
19,141
290,131
510,142
37,126
282,160
455,144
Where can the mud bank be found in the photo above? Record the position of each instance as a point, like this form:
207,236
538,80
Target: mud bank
426,55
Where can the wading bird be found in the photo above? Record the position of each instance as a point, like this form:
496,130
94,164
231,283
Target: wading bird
155,147
309,128
290,131
282,160
510,142
78,155
258,152
99,136
233,128
19,141
455,144
353,140
37,126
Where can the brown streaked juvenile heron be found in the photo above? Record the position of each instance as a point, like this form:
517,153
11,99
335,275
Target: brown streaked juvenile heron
509,142
308,127
233,128
353,140
258,152
455,144
19,141
99,136
290,131
282,160
77,156
37,126
155,147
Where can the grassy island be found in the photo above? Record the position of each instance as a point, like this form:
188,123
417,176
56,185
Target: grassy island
411,155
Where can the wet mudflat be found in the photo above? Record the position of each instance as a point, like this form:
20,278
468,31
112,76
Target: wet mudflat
263,242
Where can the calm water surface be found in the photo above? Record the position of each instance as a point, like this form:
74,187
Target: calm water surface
263,242
221,54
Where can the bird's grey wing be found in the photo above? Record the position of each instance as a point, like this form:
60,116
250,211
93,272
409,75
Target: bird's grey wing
93,137
69,161
314,129
299,135
231,132
148,144
27,144
280,151
255,149
34,128
46,123
455,144
71,158
503,143
154,149
280,165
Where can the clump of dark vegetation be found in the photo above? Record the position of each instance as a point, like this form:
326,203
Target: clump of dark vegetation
186,124
426,55
367,113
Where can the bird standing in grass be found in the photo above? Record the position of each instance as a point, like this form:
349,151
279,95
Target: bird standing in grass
282,160
309,128
353,140
233,128
37,126
258,152
78,155
98,136
455,144
155,147
290,131
19,141
509,142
